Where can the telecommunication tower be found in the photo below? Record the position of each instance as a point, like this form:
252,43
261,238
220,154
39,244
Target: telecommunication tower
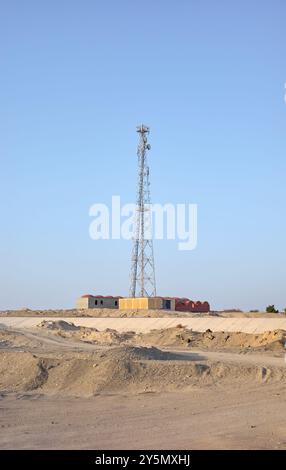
142,283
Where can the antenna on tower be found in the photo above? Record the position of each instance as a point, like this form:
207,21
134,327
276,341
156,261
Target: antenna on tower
143,282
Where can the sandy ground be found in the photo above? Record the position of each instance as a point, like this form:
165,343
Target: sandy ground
115,313
205,419
94,312
67,387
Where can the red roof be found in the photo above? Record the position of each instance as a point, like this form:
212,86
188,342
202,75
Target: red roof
101,296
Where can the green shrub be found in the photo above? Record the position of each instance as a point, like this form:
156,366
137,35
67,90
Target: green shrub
271,309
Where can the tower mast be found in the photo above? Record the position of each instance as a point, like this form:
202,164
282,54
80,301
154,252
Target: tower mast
143,283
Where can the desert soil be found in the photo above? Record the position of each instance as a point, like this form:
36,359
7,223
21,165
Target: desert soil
115,313
63,386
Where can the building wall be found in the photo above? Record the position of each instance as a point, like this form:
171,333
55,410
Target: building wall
82,302
105,302
155,303
97,302
142,303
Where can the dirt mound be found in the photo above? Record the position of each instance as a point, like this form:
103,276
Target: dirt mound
89,335
139,353
117,369
182,337
270,340
58,325
171,337
108,336
22,371
178,336
123,369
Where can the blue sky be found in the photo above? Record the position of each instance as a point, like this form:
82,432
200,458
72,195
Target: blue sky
208,78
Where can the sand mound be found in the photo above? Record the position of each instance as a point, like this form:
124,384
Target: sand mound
122,369
172,337
182,337
90,335
22,371
107,336
58,325
166,337
270,340
117,369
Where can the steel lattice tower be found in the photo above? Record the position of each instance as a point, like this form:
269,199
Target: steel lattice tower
143,282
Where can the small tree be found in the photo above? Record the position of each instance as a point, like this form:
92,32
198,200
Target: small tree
271,309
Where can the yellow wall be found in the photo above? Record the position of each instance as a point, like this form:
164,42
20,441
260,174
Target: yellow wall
142,303
82,302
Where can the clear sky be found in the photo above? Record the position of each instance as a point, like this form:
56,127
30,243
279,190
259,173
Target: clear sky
76,77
